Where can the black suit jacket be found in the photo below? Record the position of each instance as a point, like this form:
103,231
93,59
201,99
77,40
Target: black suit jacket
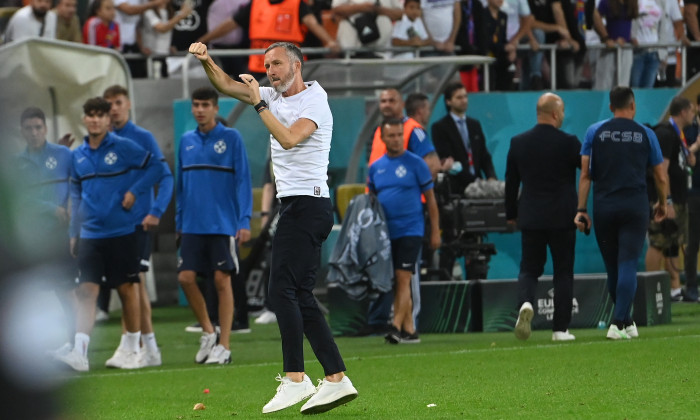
544,159
448,143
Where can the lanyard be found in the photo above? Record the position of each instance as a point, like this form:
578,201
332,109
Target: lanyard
681,134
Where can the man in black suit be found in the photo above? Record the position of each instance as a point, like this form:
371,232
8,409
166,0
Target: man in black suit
458,138
544,159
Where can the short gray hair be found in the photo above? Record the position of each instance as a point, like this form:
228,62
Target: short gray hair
293,52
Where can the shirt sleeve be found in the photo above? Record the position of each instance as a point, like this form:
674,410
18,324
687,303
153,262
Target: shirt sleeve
165,183
242,17
655,156
419,143
425,178
665,141
75,199
304,10
587,146
524,8
244,189
151,18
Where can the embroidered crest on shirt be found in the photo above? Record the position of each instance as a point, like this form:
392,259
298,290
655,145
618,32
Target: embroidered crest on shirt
220,146
111,158
400,171
317,190
51,163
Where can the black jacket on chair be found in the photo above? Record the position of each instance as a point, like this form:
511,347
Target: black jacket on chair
448,143
544,159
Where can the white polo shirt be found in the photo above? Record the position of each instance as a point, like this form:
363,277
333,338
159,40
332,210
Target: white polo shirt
23,24
303,169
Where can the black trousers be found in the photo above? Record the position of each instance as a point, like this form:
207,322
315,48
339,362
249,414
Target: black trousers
304,224
562,243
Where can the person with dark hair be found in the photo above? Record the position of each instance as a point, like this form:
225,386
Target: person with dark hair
214,207
156,30
128,16
44,175
615,156
108,174
459,138
669,236
300,122
101,29
612,21
544,159
67,21
398,178
692,135
34,19
147,212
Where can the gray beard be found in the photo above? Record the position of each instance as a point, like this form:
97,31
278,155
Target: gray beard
285,86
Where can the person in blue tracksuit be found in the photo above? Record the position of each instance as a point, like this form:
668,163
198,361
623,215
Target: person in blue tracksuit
214,206
43,171
108,174
147,211
615,156
398,178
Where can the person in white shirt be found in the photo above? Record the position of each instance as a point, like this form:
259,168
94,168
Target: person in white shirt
157,31
34,19
442,19
300,122
410,31
387,11
128,16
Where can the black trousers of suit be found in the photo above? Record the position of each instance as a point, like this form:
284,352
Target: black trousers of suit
562,243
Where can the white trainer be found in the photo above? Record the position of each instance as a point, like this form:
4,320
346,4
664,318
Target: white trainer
150,358
267,317
101,316
219,356
563,336
61,351
75,360
631,330
330,395
289,393
206,344
615,333
522,326
132,360
118,359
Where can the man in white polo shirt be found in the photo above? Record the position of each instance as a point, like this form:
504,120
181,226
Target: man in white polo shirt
301,125
34,19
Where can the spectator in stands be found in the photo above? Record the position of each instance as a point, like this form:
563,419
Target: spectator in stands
494,43
267,30
193,26
101,29
519,31
128,16
101,217
410,31
348,11
617,30
212,159
442,20
398,178
34,19
157,31
544,159
668,237
67,22
646,30
671,30
467,40
43,173
570,14
147,211
692,135
220,11
691,14
620,206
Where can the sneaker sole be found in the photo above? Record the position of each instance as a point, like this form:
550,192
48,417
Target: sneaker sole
193,329
392,338
410,341
306,397
242,331
523,328
317,409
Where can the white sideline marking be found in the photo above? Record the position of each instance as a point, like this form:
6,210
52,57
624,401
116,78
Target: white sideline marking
148,371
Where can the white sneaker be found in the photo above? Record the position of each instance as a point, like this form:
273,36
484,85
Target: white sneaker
117,360
206,344
267,317
522,326
289,393
61,351
75,360
631,330
101,316
329,395
615,333
563,336
194,328
131,360
150,358
219,356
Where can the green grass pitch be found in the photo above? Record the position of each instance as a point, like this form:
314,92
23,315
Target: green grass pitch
470,376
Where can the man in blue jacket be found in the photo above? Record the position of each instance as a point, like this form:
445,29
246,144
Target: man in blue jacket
214,205
108,174
147,212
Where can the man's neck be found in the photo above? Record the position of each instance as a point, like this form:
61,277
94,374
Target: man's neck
96,140
117,126
462,115
397,154
297,87
38,148
207,127
678,122
624,113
